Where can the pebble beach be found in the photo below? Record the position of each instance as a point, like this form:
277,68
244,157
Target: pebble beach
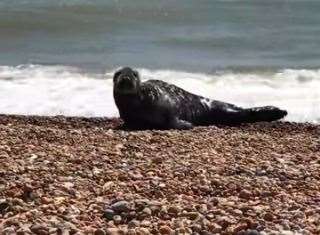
72,175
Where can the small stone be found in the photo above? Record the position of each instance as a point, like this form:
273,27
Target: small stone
28,194
203,208
46,200
111,224
4,206
237,212
196,228
165,230
175,210
131,231
155,209
245,194
285,224
112,231
63,231
180,231
249,232
120,206
21,232
147,211
131,215
157,160
286,232
39,229
177,223
141,203
117,219
99,232
8,231
145,223
224,221
240,228
268,216
210,216
215,228
192,215
142,231
108,214
252,232
204,232
133,223
123,230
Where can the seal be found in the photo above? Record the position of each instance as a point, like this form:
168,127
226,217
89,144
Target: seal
155,104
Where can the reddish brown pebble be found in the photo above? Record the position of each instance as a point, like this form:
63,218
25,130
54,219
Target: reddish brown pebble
245,194
165,230
268,216
112,231
99,232
142,231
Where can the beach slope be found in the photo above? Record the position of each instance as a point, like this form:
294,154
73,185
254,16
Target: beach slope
83,175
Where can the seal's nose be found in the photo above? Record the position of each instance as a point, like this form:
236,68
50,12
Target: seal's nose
125,82
126,79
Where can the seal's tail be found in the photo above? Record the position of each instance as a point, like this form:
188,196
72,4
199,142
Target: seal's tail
265,114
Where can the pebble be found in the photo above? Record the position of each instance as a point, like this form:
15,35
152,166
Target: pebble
142,231
240,228
175,210
120,206
112,231
196,228
204,232
99,232
134,223
286,232
108,214
237,212
117,219
4,206
249,232
131,231
245,194
8,231
39,229
192,215
147,211
46,200
145,223
268,216
165,230
215,228
180,231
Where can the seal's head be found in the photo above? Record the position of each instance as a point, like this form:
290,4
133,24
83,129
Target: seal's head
126,81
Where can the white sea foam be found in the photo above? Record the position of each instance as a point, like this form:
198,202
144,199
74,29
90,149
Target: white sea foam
61,90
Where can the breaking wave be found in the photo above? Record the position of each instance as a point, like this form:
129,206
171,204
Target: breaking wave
63,90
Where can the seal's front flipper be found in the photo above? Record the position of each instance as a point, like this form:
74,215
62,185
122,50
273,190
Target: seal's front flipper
179,124
265,114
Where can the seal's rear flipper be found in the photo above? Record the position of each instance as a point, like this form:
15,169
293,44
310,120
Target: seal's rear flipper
266,114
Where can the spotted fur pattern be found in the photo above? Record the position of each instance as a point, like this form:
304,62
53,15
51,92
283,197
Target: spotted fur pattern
157,104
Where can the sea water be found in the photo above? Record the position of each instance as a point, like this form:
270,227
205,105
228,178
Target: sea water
58,57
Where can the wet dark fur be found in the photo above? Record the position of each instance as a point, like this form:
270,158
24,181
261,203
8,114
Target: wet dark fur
155,104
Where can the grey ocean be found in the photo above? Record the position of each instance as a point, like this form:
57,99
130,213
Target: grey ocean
57,57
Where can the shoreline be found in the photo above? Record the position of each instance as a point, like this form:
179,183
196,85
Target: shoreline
106,122
82,175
